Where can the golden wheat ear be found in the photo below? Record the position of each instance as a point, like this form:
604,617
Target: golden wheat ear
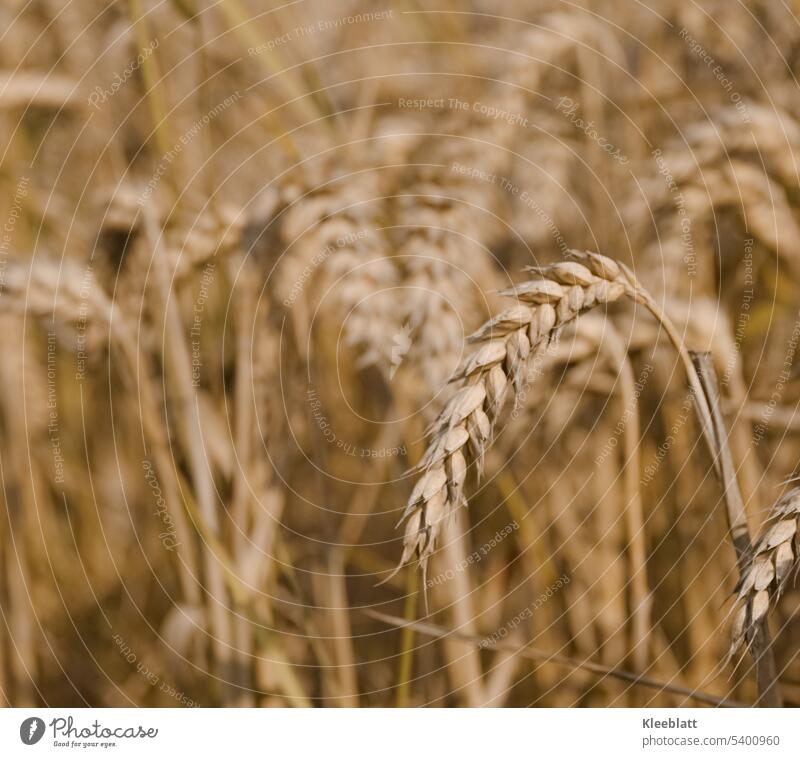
774,563
512,343
509,344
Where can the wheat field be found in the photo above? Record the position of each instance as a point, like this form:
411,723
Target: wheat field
399,354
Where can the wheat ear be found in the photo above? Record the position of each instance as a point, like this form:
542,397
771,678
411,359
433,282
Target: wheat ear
511,344
775,560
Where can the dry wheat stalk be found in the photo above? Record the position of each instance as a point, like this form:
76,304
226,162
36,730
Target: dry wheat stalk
512,343
775,561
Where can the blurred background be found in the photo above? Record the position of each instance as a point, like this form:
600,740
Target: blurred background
242,245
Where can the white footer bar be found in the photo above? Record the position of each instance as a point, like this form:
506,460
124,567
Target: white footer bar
399,733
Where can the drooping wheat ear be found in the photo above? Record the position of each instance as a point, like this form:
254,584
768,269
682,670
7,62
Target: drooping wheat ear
512,341
775,561
512,344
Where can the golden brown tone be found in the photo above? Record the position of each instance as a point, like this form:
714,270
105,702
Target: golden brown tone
246,250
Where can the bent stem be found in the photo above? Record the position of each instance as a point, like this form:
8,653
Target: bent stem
701,401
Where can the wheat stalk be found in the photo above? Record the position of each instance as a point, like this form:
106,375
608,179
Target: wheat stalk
775,560
512,342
